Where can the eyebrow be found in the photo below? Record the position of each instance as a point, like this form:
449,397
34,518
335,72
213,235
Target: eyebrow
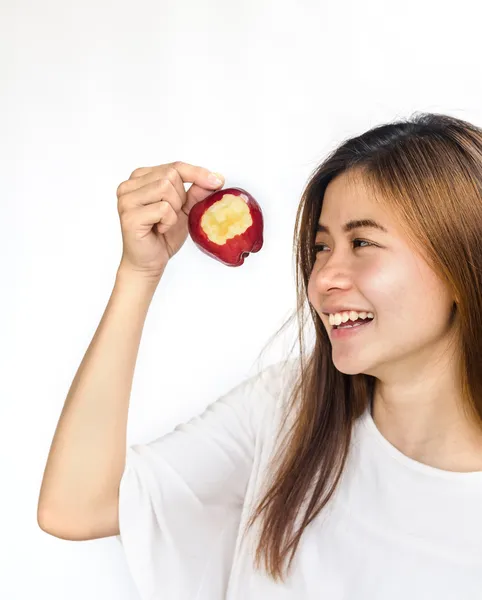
355,224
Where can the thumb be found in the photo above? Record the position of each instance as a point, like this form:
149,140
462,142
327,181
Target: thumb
198,192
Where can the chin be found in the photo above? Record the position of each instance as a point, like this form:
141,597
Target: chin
348,371
351,365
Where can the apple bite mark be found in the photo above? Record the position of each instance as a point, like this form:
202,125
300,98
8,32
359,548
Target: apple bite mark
227,225
226,218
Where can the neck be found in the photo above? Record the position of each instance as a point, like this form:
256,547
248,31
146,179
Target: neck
442,437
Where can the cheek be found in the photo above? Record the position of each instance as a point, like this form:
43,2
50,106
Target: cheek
384,285
381,285
405,292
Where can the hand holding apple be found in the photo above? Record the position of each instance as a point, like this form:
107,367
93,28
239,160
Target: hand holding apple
153,208
227,225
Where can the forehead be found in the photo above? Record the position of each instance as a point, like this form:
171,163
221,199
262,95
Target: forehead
348,197
348,192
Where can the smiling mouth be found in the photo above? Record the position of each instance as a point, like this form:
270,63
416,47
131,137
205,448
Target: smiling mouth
348,325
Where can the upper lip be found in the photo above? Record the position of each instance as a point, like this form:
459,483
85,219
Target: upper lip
332,309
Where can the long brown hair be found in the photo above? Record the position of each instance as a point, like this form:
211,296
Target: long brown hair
428,171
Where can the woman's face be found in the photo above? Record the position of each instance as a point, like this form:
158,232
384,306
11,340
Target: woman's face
410,303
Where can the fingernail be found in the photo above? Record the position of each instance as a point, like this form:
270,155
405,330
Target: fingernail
215,178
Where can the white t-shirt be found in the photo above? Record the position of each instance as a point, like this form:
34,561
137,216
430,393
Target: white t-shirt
395,529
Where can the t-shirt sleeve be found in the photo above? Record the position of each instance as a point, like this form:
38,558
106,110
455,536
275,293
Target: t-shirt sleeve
181,495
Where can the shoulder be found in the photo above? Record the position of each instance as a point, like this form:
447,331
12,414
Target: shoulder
274,385
275,379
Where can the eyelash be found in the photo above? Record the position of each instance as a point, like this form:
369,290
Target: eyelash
317,247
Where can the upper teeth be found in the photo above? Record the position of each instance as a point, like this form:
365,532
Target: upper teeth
352,315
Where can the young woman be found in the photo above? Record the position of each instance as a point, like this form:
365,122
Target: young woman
353,471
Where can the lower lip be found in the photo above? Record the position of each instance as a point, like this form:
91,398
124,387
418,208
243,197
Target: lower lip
349,331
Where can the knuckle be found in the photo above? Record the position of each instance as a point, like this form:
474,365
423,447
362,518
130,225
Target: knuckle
167,208
169,216
123,204
125,218
171,174
178,164
122,188
162,184
136,172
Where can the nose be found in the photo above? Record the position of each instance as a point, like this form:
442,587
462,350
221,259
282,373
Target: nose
333,274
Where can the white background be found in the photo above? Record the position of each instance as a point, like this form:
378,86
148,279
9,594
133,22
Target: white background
257,90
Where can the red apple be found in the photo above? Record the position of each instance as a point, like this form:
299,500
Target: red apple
227,225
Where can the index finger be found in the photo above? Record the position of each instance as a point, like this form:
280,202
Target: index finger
204,182
188,173
178,173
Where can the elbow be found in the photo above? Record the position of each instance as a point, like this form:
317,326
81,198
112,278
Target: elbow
51,523
47,522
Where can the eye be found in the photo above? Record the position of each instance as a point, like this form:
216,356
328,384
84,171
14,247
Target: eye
318,247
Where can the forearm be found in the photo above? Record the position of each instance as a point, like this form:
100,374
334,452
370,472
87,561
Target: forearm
87,455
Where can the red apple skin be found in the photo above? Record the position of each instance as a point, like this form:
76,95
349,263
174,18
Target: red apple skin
234,251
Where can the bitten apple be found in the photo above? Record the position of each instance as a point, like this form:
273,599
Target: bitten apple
227,225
